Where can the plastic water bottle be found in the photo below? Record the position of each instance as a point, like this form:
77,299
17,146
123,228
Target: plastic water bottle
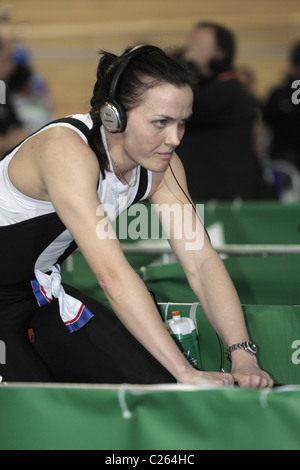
183,331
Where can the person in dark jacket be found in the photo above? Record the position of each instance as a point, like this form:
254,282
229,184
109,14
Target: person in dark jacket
281,113
218,146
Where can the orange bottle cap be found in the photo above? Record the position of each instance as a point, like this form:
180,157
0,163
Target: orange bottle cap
176,313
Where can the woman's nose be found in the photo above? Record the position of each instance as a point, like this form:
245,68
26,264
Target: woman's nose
173,136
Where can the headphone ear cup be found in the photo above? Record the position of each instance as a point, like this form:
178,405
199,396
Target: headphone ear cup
113,117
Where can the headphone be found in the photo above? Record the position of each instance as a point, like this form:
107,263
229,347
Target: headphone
112,113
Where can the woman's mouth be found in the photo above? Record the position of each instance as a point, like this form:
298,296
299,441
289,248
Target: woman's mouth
166,155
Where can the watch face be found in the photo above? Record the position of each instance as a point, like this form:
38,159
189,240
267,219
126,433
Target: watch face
252,348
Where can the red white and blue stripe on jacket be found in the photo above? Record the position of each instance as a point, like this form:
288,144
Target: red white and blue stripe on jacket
46,287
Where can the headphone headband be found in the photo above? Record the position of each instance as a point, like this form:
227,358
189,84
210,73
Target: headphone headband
112,113
136,51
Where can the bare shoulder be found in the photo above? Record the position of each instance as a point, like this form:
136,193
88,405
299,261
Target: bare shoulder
62,144
57,153
60,150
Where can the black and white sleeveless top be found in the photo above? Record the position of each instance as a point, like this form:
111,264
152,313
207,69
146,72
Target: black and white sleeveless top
32,237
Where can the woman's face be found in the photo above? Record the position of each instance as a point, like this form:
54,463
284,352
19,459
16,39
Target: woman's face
156,126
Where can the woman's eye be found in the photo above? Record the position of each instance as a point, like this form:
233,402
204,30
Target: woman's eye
161,123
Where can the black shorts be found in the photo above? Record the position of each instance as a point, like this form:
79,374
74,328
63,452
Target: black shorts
39,347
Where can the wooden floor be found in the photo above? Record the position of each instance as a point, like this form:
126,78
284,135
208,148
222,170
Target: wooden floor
64,36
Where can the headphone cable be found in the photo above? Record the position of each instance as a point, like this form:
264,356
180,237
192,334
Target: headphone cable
221,368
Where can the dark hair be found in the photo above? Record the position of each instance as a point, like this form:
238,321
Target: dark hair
225,40
143,72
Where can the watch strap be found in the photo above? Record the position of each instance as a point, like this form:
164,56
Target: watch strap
246,346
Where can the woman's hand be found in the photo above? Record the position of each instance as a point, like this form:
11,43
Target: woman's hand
247,373
198,377
246,376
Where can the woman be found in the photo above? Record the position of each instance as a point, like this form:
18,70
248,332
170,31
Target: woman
60,185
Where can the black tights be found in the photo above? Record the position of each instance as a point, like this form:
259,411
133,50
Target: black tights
103,351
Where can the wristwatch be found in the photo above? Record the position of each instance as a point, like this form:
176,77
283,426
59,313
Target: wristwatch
247,346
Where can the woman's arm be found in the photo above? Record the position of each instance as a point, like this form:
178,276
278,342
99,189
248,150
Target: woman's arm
69,172
206,274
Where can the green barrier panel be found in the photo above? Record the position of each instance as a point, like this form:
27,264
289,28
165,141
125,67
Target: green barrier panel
154,418
256,222
272,280
275,329
247,222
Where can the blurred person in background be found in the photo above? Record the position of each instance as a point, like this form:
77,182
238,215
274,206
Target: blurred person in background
282,115
12,130
29,92
218,149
